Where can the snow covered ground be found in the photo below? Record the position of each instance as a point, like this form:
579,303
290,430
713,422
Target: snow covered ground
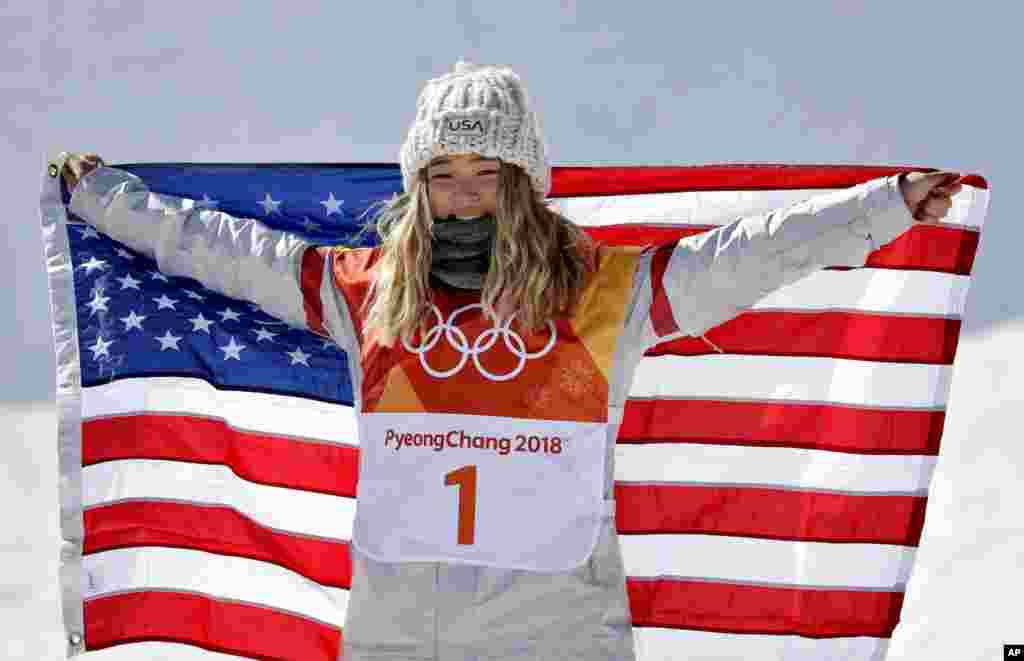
963,602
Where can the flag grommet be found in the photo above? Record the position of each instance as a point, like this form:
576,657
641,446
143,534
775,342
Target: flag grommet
75,638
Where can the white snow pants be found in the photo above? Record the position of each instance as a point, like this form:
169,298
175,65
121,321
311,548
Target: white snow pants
429,611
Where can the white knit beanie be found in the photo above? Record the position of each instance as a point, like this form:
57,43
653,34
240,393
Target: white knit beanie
480,110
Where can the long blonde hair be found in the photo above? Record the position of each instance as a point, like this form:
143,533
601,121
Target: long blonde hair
539,266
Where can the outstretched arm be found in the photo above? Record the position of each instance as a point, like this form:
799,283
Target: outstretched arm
707,279
238,257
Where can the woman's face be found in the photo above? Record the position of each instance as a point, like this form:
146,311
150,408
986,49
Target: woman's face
465,186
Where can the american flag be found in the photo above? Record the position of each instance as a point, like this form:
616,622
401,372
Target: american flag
771,477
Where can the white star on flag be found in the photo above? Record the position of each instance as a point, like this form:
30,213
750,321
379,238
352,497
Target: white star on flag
99,302
157,275
88,232
310,225
128,282
192,294
298,356
132,321
165,302
201,323
100,348
168,341
93,263
264,335
232,350
121,252
332,205
229,314
270,205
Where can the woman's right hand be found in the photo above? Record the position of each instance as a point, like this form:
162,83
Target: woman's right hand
77,166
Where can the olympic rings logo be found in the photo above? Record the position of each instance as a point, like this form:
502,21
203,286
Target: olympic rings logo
458,341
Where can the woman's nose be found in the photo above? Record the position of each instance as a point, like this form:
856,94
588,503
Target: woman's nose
465,188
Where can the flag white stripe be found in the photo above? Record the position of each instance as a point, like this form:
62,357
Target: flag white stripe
221,577
975,200
261,413
721,207
886,291
658,644
288,510
794,379
767,562
780,467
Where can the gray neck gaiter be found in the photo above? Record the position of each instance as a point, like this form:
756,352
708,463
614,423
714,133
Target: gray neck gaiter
462,250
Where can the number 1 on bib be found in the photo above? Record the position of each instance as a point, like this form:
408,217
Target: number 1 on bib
465,478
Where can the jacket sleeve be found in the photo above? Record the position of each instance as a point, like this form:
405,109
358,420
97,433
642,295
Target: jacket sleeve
239,257
709,278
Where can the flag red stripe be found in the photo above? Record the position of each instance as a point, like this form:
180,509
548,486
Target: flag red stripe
751,609
219,626
662,319
921,248
929,248
636,180
216,529
855,335
811,426
265,459
642,235
312,277
768,513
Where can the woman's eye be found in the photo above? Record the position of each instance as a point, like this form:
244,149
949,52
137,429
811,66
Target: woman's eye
440,176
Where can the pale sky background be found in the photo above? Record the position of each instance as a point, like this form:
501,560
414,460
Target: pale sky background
660,83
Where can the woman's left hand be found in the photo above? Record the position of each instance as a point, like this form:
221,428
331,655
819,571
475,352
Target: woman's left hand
928,195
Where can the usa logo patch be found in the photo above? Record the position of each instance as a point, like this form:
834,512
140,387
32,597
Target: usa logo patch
465,127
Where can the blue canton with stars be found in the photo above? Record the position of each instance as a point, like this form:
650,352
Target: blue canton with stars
134,321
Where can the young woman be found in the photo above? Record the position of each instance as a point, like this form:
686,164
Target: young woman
493,346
